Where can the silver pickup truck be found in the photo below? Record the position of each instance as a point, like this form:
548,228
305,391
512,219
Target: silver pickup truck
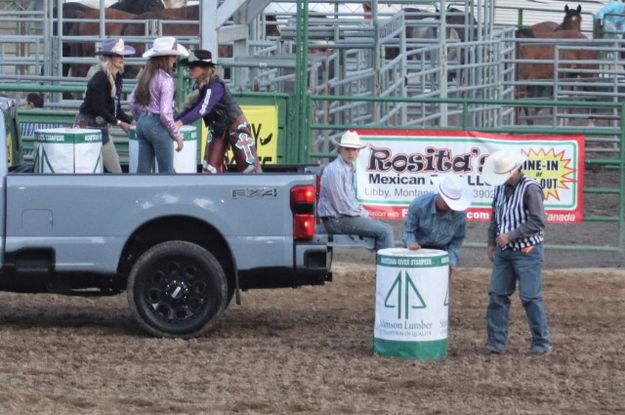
180,245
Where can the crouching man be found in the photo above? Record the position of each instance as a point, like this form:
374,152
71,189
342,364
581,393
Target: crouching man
438,220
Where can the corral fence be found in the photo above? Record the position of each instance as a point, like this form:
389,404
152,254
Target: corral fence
296,146
603,226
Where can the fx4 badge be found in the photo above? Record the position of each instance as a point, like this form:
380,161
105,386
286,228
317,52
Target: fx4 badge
251,192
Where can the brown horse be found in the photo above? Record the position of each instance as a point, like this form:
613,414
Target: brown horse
122,10
578,61
190,13
572,21
138,7
85,49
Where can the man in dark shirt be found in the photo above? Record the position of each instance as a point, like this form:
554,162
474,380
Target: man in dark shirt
515,246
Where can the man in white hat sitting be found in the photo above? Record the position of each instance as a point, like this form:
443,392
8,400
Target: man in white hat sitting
515,246
338,208
438,220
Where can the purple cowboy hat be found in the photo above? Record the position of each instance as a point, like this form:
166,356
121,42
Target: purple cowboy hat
115,46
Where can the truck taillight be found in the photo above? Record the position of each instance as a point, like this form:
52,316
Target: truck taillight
317,194
303,227
303,208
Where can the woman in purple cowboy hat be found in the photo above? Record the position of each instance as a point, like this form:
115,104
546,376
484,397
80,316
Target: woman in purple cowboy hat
102,104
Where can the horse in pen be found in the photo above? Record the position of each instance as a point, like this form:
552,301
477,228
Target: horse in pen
562,55
572,21
114,25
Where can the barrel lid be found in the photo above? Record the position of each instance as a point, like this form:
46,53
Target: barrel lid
183,128
188,133
67,131
405,252
402,257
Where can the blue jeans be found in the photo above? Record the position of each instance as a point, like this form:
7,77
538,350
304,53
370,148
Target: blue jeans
358,225
154,141
508,266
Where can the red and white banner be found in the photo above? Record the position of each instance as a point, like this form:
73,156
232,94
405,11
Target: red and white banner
396,167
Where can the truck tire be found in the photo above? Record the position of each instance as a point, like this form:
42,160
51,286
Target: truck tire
177,289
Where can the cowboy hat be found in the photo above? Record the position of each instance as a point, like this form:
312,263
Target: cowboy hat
349,139
500,165
199,57
166,46
454,191
115,47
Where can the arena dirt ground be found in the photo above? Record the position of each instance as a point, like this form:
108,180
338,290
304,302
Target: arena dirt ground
309,350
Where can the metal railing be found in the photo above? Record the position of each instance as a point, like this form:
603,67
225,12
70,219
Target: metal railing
613,162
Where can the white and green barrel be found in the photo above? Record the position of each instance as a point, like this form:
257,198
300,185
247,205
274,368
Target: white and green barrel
411,306
185,161
68,150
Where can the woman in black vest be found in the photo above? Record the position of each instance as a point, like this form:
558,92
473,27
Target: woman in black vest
102,104
226,123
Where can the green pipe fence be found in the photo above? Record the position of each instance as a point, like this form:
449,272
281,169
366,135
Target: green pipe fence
466,104
295,135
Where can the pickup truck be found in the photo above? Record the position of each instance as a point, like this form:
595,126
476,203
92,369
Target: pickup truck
180,245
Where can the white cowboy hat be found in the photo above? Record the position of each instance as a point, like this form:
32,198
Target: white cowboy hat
350,139
166,46
500,165
454,191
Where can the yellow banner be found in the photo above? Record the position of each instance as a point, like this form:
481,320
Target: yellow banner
263,120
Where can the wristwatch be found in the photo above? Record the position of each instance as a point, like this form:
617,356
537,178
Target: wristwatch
119,123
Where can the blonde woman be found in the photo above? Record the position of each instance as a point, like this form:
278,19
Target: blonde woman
152,102
102,104
226,123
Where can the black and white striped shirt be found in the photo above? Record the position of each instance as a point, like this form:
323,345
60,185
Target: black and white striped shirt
518,211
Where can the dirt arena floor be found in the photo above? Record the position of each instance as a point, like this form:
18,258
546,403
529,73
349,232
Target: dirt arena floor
309,350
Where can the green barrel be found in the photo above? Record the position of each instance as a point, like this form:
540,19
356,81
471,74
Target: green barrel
185,161
68,150
411,309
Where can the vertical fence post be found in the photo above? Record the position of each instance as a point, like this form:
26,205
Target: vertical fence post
302,131
465,115
621,207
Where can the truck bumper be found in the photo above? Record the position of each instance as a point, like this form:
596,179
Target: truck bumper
312,263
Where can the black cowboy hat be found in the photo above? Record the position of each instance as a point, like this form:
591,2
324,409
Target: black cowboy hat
199,57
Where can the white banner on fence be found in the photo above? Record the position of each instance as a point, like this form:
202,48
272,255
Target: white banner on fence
396,166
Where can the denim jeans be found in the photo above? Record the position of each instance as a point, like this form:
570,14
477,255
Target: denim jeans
154,141
508,266
358,225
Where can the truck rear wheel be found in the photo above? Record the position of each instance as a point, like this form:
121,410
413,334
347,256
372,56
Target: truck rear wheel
177,289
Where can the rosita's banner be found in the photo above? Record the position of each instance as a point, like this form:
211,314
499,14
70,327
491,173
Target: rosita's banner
396,166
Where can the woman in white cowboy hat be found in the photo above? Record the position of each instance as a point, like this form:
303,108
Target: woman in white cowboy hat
227,125
515,246
102,104
152,102
438,220
338,208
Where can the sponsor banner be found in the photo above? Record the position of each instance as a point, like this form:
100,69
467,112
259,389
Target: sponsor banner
68,135
396,166
263,121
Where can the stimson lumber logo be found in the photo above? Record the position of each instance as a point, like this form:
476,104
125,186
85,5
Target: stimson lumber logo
398,296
